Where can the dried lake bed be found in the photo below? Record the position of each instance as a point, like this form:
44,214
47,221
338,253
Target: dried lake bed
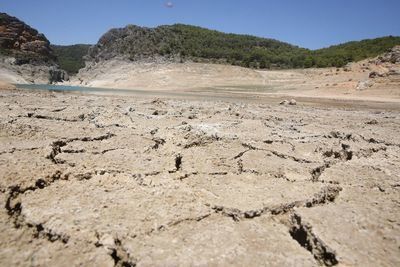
160,179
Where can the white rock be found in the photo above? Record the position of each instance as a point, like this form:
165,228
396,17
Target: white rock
362,85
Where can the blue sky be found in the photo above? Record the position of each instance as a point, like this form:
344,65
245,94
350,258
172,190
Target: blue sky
306,23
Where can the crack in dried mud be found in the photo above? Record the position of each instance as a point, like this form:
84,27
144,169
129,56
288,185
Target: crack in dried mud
57,145
177,163
326,195
375,141
11,151
343,155
13,207
303,234
276,153
116,251
46,117
208,150
300,231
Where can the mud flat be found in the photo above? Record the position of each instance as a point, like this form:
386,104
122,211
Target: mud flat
137,180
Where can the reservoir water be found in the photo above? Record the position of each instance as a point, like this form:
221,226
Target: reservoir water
69,88
211,93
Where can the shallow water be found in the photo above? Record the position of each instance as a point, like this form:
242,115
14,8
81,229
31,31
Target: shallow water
200,93
230,94
98,90
68,88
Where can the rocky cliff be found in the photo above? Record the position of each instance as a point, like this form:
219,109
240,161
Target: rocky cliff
23,42
25,54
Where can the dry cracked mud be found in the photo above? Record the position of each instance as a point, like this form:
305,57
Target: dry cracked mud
136,181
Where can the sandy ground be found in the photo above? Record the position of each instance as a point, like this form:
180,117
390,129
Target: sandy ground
352,82
22,74
4,85
162,75
136,180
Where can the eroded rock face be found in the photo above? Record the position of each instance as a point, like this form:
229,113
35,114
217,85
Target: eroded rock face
137,181
393,56
26,53
21,39
57,75
134,43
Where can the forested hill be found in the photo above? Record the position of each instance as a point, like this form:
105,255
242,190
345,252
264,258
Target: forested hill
71,57
195,43
185,42
180,42
340,55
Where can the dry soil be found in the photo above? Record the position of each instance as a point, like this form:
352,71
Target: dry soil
92,180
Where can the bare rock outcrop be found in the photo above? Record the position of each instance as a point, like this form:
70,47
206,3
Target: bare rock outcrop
23,42
26,54
387,64
393,56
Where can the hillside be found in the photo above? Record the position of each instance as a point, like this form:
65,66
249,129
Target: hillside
177,43
71,57
25,54
340,55
22,42
183,42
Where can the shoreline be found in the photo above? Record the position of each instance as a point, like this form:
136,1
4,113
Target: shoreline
229,96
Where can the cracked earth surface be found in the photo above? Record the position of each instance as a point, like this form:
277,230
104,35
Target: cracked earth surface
126,181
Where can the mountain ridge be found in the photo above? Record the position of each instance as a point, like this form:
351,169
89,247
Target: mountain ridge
181,42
